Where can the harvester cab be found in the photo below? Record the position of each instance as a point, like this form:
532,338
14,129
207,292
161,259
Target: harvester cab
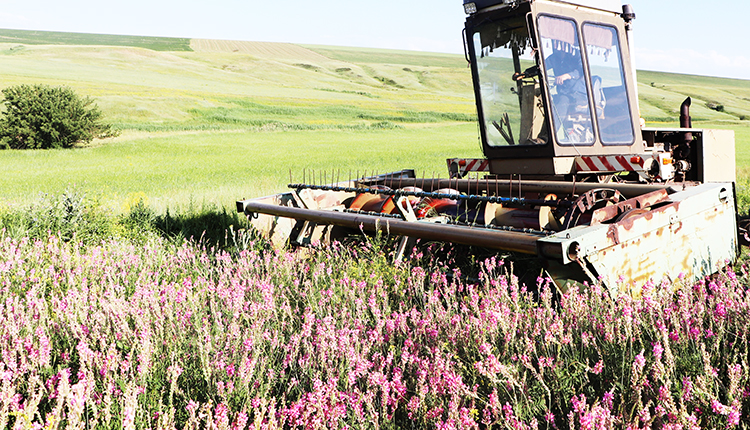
570,173
556,95
552,82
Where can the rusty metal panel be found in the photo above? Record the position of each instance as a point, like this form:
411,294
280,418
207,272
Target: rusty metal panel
276,229
718,157
644,201
688,237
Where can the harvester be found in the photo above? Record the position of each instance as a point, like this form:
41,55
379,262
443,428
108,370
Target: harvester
570,175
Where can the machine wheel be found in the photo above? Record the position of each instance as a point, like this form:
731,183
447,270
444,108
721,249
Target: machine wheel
743,230
630,214
587,203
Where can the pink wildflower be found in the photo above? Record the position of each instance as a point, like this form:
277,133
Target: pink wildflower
687,389
549,417
174,372
546,362
733,419
721,310
658,350
639,363
241,421
221,415
719,408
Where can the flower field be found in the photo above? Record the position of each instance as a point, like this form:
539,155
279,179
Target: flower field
157,335
111,317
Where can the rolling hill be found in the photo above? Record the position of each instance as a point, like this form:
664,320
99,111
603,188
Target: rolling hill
289,73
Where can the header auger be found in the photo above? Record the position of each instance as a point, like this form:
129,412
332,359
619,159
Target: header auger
570,173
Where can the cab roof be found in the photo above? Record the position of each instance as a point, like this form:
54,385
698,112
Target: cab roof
606,5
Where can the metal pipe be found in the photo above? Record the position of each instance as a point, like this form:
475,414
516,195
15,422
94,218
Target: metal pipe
628,15
421,194
542,187
486,238
685,120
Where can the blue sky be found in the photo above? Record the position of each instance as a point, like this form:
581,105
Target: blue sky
685,36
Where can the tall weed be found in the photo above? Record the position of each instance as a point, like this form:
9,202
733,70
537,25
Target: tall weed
71,215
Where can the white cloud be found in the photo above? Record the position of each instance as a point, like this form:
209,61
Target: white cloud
9,20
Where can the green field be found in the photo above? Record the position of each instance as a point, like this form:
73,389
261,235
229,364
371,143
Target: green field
23,37
215,121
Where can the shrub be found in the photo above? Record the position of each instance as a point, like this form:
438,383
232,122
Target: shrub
43,117
75,216
715,106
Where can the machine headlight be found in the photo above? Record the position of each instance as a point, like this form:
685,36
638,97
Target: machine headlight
470,8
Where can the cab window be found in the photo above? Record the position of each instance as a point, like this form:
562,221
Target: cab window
608,84
563,63
508,85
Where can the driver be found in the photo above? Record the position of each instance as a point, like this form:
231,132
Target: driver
572,96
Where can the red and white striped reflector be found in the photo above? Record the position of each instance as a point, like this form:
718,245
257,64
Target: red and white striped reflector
610,163
466,165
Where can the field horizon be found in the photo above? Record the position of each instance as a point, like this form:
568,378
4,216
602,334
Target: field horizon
212,121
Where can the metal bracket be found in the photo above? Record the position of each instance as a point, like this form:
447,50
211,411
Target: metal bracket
303,202
723,195
403,205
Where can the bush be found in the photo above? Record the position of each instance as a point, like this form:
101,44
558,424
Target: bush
43,117
715,106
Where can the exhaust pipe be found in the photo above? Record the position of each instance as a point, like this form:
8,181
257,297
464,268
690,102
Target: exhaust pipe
686,121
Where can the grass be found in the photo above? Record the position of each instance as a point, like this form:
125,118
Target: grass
662,93
388,56
75,216
215,127
25,37
221,167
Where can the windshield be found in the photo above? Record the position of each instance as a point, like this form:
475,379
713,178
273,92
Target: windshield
511,106
564,66
608,76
